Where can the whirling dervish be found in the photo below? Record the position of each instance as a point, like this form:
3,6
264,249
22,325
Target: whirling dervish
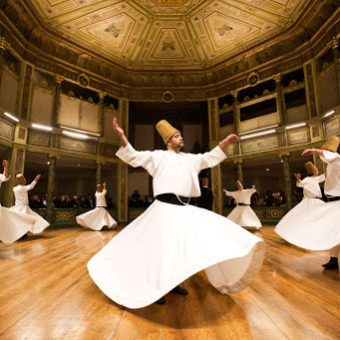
319,228
13,225
172,240
99,217
288,227
243,214
21,203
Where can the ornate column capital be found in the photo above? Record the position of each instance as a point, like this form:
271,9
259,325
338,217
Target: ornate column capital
102,95
277,77
333,44
284,154
4,44
238,161
59,78
234,93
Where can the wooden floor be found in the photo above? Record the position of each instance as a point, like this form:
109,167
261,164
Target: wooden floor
46,293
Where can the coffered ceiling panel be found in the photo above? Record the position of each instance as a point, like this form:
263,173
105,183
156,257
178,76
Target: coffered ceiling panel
168,34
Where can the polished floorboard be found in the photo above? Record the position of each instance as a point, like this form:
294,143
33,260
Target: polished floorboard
46,293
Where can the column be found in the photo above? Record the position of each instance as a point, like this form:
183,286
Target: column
334,44
122,178
313,105
101,113
216,177
280,103
24,98
287,179
99,173
56,103
236,112
50,188
16,159
4,45
239,170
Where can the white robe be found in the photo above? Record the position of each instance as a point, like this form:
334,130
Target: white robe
318,226
99,217
21,205
13,225
243,215
169,243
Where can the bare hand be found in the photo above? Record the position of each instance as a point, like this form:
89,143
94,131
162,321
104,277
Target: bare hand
5,163
224,190
37,178
232,138
104,185
119,131
253,186
297,176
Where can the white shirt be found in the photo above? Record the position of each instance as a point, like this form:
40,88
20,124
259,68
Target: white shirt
3,178
310,185
172,172
20,193
241,196
100,198
332,182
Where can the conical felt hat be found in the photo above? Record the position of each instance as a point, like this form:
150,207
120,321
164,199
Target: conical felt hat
311,168
331,144
166,130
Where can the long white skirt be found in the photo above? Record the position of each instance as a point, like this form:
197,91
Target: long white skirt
245,217
14,225
169,243
312,224
96,219
39,225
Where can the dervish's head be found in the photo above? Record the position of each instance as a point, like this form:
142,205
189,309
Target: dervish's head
21,180
239,185
172,137
331,144
311,169
99,187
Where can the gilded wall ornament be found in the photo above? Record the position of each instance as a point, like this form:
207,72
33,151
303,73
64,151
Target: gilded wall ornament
253,78
83,79
167,96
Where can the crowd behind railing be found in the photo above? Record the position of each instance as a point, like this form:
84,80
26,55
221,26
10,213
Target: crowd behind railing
137,200
67,201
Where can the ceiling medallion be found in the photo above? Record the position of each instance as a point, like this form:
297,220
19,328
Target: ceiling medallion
169,3
167,96
253,79
83,79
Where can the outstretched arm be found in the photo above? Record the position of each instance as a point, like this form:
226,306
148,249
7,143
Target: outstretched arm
229,139
5,164
33,184
120,132
308,152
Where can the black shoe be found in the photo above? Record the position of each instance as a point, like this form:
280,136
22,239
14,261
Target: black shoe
332,264
180,290
161,301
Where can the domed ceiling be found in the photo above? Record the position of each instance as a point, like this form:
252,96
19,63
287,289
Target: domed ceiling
168,34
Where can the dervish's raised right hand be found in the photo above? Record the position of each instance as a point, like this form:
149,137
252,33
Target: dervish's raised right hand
297,176
229,139
5,163
308,152
37,178
120,132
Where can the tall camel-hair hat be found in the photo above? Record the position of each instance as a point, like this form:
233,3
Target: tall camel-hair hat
331,144
311,168
166,130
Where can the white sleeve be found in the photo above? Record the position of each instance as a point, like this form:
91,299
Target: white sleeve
321,178
250,191
331,157
299,184
3,178
210,159
104,192
30,186
136,158
230,193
